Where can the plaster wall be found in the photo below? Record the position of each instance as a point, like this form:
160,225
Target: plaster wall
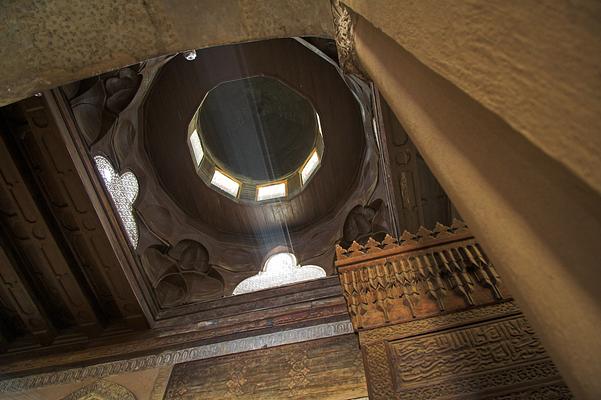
539,223
44,44
536,64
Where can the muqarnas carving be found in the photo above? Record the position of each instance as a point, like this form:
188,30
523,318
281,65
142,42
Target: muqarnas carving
97,102
182,274
362,223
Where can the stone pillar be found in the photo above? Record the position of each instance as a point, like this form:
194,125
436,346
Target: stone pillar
435,321
538,220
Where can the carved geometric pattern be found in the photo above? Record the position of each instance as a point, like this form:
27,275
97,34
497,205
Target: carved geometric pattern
101,390
451,354
554,391
299,369
518,375
419,275
323,369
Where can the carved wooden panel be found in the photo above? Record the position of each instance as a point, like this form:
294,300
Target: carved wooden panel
321,370
418,275
38,249
488,352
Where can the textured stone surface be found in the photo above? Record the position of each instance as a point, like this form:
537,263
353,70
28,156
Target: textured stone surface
44,44
535,64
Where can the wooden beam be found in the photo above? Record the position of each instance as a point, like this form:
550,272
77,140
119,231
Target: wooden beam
35,243
59,183
16,291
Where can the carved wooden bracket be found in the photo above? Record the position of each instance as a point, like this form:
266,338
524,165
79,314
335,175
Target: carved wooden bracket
415,276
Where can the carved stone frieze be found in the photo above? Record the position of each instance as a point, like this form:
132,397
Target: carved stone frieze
463,351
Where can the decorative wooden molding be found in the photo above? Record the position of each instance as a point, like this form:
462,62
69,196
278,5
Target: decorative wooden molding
415,276
172,357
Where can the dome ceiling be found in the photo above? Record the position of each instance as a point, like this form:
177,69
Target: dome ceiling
181,87
270,107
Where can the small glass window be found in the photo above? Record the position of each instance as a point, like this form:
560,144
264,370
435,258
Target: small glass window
269,192
225,183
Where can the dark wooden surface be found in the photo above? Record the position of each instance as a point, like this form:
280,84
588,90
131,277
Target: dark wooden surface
419,198
326,369
179,90
141,127
303,304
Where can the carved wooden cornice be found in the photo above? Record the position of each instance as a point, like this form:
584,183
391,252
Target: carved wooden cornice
416,276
